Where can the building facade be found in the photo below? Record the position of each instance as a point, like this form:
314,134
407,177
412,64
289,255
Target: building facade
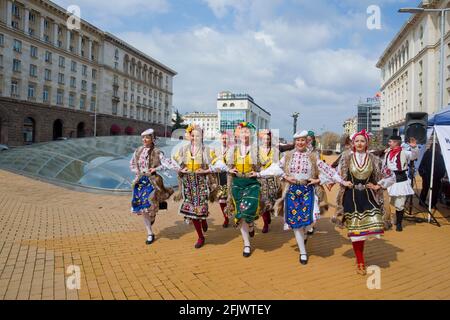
369,114
235,108
82,74
410,67
209,122
350,126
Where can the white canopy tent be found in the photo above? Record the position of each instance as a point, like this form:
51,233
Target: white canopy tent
439,125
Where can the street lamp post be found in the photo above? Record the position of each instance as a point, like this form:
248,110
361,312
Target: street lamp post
295,116
95,120
442,12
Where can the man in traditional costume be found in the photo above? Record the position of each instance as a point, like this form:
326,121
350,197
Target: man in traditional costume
396,160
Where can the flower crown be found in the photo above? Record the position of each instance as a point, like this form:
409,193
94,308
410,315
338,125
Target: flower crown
246,125
193,127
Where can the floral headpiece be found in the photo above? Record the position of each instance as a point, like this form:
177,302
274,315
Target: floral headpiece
363,133
193,127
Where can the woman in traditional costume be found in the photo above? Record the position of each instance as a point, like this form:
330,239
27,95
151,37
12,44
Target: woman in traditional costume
222,194
197,184
320,190
302,172
244,195
148,187
270,185
361,195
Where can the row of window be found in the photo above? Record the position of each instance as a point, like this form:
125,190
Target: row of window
139,87
46,32
17,46
17,67
31,95
141,113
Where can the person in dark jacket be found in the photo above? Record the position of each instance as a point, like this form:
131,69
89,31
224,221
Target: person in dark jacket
425,173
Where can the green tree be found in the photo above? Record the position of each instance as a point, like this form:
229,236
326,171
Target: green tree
178,122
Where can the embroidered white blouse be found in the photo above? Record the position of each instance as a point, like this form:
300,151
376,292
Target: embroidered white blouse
301,168
166,163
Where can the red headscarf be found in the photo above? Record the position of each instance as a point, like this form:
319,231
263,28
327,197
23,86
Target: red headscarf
363,133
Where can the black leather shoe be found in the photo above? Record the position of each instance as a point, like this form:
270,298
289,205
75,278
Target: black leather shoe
150,239
247,254
252,233
303,262
306,241
399,228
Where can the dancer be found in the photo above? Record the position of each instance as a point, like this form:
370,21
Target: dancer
361,195
148,187
245,189
302,172
320,190
197,185
223,178
270,185
396,160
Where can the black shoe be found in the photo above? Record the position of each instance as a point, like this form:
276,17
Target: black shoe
399,228
150,239
306,241
247,254
303,262
252,233
310,233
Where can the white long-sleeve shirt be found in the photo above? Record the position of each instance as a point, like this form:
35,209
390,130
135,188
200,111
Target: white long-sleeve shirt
301,168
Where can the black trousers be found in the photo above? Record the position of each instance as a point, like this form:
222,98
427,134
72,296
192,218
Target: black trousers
437,184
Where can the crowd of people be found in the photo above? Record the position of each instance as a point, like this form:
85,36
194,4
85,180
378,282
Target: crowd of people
251,177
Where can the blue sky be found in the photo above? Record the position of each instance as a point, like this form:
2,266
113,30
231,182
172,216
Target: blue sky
314,57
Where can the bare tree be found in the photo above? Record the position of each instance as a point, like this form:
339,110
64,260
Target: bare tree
329,140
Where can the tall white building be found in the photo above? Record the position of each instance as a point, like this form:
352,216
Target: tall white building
43,61
235,108
410,68
207,121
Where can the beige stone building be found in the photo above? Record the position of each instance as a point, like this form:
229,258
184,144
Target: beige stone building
410,67
209,122
47,63
350,126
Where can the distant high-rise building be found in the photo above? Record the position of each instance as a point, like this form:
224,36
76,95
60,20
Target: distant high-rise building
369,116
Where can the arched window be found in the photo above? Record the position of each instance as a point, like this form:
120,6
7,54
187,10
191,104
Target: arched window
29,130
224,105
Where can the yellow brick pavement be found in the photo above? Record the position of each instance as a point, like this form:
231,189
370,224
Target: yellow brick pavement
45,228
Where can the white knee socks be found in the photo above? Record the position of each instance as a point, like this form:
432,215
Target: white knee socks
148,223
245,236
300,237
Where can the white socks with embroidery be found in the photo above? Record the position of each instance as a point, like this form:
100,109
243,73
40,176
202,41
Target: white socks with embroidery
245,236
148,223
300,237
